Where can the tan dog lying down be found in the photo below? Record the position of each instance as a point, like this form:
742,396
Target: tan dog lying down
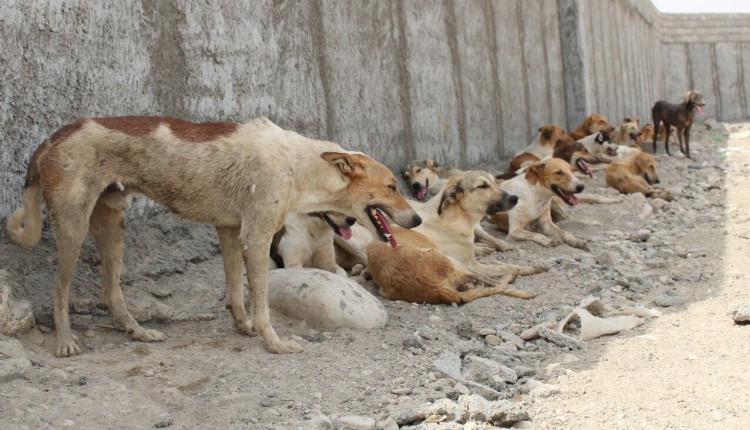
535,190
242,178
437,263
636,174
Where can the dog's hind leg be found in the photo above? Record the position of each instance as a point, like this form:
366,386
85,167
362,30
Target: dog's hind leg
496,268
667,130
107,227
255,247
231,251
492,288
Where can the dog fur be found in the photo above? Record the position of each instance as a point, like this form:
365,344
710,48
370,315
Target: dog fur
535,190
678,115
242,178
593,123
426,177
600,146
628,133
636,174
437,263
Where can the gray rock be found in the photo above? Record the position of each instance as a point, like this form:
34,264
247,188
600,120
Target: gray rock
742,314
500,413
559,339
488,372
12,368
533,332
323,299
668,299
448,364
412,342
450,409
320,422
163,422
387,424
354,422
465,329
606,259
485,391
16,315
493,340
642,234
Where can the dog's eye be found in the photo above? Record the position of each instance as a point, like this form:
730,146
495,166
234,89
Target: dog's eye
484,185
419,170
560,173
393,188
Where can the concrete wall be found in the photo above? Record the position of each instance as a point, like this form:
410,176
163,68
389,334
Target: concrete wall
460,81
710,53
464,81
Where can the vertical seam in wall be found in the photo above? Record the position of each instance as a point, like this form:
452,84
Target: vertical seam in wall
741,80
404,79
489,12
715,79
521,39
689,67
547,81
596,105
452,35
317,28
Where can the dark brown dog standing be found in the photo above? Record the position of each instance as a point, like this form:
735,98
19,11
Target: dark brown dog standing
679,115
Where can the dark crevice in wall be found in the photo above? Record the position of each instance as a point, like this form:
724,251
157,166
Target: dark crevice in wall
317,29
689,66
489,15
404,78
521,41
169,70
741,80
547,81
715,78
452,35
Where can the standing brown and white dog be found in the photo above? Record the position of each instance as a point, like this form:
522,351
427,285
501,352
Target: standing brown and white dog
242,178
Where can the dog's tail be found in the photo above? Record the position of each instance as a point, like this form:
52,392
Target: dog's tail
25,223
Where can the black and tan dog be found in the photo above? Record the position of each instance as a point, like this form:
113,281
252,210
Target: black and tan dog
678,115
242,178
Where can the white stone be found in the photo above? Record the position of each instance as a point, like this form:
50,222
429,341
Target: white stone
323,299
355,422
16,315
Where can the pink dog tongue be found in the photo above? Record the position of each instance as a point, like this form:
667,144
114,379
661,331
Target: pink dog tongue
700,110
387,228
345,232
421,193
586,169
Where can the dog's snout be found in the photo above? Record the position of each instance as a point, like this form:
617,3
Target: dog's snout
416,221
513,200
579,188
350,220
416,186
656,180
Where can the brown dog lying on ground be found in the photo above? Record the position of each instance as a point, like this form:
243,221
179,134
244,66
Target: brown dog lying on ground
636,174
535,190
679,115
565,148
592,124
242,178
437,264
426,177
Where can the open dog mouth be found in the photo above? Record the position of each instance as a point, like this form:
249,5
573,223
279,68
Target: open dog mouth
344,231
569,198
584,168
612,152
377,218
700,108
637,139
422,192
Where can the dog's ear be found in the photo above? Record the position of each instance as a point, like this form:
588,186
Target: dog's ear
430,162
346,162
627,119
547,131
535,173
407,174
559,143
641,161
686,97
451,194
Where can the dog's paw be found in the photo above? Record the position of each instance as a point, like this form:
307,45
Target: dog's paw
482,250
246,328
504,246
540,269
580,244
67,346
508,279
358,269
145,335
549,243
284,347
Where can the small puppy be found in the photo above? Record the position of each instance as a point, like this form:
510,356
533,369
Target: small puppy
679,115
536,190
592,124
636,174
426,177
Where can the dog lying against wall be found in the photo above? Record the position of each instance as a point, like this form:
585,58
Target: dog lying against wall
242,178
628,133
678,115
437,262
425,177
593,123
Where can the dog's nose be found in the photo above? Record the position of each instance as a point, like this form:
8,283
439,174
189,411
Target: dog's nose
513,199
656,181
579,188
350,220
416,221
416,186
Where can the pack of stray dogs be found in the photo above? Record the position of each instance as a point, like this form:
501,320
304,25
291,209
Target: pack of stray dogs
311,203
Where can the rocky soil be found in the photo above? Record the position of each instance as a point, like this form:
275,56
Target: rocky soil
446,367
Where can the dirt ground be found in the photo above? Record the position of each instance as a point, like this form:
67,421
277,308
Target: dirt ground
684,370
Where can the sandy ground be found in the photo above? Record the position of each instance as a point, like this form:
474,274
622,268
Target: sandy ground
688,370
684,370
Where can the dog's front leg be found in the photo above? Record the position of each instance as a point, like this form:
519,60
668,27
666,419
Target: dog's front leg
231,251
255,252
493,268
499,244
686,132
551,229
523,234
